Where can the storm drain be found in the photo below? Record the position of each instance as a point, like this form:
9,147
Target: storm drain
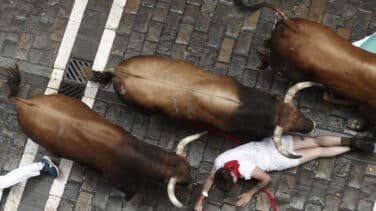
73,83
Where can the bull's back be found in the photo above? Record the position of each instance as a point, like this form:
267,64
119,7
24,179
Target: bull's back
177,88
315,52
67,128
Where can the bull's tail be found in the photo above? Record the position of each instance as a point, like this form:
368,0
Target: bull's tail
285,19
102,78
9,81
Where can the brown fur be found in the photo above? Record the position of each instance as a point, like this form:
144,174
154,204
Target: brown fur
312,51
183,91
68,128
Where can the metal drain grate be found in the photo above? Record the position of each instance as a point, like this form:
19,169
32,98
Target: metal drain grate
73,71
72,90
73,84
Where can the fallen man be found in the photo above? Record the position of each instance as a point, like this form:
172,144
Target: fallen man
254,159
24,173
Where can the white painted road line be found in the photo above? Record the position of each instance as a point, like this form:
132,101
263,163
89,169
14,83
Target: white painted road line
61,61
100,62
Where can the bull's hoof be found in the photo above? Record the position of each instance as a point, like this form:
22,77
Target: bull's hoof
356,124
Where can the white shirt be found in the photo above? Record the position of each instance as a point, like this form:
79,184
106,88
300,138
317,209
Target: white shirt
261,154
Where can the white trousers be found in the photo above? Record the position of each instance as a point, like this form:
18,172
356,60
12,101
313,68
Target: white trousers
19,175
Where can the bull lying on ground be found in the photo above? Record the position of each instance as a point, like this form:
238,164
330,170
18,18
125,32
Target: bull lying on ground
68,128
183,91
306,50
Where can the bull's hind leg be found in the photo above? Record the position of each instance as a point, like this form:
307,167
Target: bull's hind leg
264,56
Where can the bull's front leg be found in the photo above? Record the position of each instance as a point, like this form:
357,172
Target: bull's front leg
330,97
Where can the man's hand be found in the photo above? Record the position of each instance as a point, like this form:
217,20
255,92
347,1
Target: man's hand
198,205
244,199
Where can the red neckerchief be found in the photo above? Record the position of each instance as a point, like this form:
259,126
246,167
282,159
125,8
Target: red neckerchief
233,166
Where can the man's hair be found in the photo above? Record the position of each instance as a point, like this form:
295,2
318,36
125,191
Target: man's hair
223,180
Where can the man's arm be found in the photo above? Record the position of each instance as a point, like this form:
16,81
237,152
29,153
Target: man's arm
263,180
205,189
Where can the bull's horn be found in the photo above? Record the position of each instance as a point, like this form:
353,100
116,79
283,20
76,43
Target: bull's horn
291,92
183,143
171,193
180,151
278,129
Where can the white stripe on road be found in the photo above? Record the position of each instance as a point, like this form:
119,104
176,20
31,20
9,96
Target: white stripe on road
100,62
61,61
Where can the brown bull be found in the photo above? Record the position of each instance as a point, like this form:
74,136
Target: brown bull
306,50
68,128
183,91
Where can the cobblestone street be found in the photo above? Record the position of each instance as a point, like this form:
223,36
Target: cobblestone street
212,34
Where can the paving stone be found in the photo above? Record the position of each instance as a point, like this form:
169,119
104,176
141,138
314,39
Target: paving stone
101,195
324,169
160,12
209,6
263,202
215,34
83,201
115,204
195,153
208,58
243,43
24,46
136,41
316,10
202,22
226,50
312,207
211,207
298,198
336,186
190,14
356,175
317,193
126,24
149,48
90,181
284,187
233,28
369,188
178,51
236,68
65,205
165,45
332,203
365,205
143,19
371,170
350,199
177,6
8,48
71,190
195,2
300,11
249,77
132,6
342,167
251,21
185,31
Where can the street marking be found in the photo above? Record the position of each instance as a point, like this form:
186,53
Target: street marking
100,62
65,49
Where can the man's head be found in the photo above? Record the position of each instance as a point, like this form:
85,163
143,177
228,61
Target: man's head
224,179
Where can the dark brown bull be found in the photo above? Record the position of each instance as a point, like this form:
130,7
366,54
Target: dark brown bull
68,128
183,91
305,50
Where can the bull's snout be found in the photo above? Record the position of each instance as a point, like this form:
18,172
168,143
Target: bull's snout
290,118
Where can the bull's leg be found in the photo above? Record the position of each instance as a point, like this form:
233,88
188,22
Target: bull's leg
330,97
264,56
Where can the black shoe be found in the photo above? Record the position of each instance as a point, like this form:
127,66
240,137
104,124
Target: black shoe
364,145
49,167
